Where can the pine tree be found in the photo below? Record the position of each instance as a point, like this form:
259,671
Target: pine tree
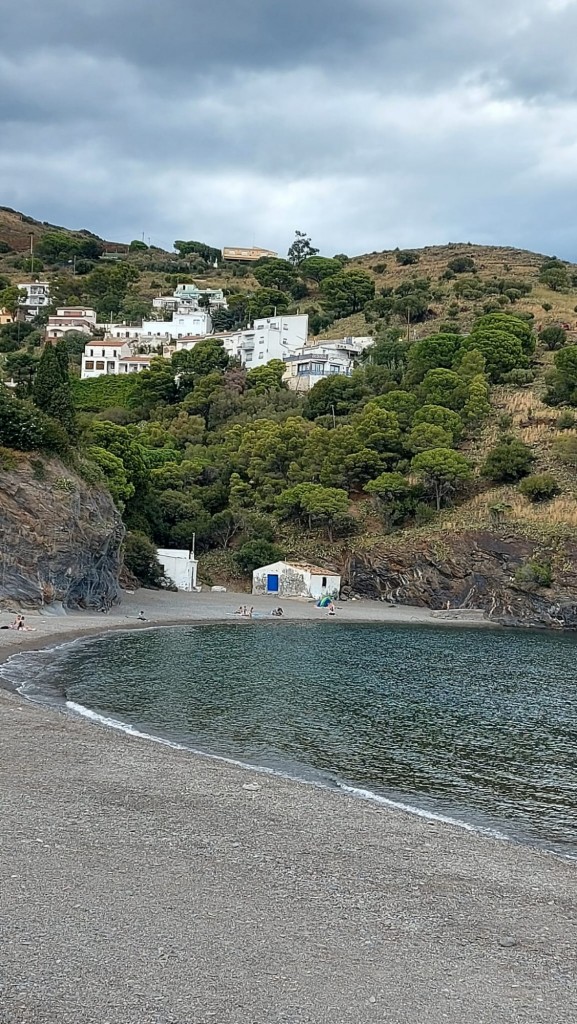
51,391
477,407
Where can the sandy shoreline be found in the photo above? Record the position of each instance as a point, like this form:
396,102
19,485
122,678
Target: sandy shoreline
140,884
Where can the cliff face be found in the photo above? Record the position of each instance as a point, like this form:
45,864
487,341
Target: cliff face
59,539
471,570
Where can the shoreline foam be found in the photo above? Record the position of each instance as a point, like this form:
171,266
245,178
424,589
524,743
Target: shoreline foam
142,885
61,703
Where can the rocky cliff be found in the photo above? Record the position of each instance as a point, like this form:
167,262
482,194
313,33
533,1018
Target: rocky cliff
471,570
59,539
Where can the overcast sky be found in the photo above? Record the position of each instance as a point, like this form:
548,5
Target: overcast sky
366,123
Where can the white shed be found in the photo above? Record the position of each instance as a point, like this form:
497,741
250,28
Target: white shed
180,566
295,579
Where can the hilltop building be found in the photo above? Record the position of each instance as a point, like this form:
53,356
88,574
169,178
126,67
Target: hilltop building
196,324
187,298
36,299
71,319
314,362
110,356
247,255
273,337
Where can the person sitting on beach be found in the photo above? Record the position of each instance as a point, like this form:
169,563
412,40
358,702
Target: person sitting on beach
280,612
332,609
239,610
141,617
28,629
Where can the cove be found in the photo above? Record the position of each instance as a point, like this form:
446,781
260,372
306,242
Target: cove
478,725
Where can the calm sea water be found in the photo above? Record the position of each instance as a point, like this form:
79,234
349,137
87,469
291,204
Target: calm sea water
479,725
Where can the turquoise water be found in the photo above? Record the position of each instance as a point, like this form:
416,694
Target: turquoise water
478,725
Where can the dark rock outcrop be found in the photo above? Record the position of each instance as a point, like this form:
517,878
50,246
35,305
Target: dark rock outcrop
59,539
471,570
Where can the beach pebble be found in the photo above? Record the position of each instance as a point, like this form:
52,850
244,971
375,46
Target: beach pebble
252,787
507,942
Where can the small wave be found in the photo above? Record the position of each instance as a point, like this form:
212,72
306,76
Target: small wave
354,791
419,812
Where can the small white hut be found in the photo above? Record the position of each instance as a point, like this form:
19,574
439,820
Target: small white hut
295,579
180,566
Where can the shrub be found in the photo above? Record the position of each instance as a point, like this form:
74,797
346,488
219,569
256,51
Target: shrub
546,306
8,459
104,392
540,487
508,461
38,469
565,448
553,338
534,573
406,257
461,265
565,421
256,553
518,377
141,559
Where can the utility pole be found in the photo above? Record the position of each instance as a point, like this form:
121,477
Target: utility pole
32,255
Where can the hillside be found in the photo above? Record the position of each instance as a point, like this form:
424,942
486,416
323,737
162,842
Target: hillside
444,469
458,300
16,228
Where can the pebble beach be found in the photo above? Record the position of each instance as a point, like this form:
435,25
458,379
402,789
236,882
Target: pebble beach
142,884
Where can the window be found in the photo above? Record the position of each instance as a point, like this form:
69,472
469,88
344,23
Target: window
303,367
334,368
261,355
103,353
91,351
318,368
99,364
89,364
324,583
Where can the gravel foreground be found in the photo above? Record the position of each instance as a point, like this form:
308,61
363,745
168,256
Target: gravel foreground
140,884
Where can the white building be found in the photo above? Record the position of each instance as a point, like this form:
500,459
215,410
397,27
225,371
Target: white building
180,566
314,362
190,324
274,337
295,579
36,299
111,356
71,319
186,298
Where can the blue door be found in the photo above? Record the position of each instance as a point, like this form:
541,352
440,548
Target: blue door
272,583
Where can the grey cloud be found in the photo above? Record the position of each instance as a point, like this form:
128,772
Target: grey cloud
370,122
